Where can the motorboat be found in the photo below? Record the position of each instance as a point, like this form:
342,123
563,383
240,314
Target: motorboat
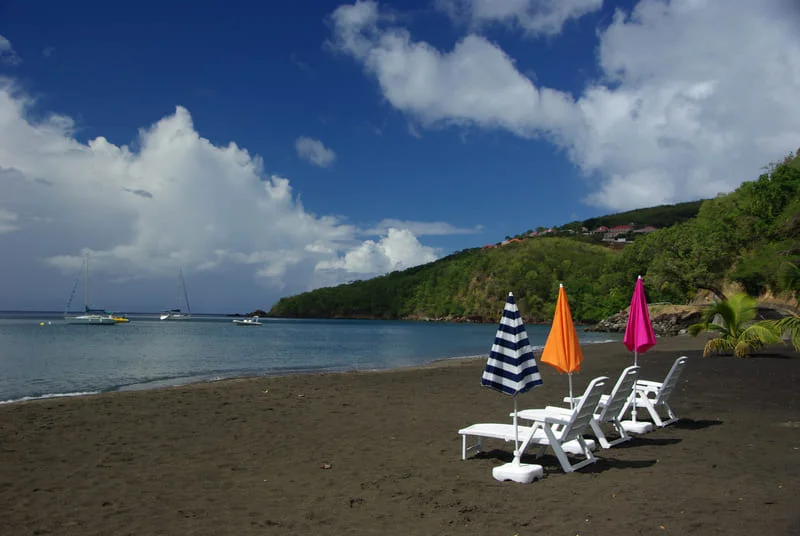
253,321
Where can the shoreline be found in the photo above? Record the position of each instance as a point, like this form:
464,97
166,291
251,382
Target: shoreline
181,381
379,453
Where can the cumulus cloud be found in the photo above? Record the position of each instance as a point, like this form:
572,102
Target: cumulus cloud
535,17
419,228
475,83
7,53
399,250
177,201
686,106
314,151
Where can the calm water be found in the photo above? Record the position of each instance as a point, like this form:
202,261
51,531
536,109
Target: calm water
57,359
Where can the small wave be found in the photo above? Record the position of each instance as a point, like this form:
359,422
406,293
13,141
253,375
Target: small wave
49,395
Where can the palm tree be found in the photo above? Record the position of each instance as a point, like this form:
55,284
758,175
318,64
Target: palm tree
737,334
789,279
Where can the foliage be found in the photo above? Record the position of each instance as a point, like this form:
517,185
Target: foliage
737,333
746,237
660,216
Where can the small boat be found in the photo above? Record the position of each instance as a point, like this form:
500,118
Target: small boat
178,314
94,317
120,318
247,321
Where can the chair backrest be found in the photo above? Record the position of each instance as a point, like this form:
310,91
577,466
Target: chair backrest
619,394
584,411
671,380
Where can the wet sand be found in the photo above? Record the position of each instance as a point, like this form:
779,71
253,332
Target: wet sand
379,453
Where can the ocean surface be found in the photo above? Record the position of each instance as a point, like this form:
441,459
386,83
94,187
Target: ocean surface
41,356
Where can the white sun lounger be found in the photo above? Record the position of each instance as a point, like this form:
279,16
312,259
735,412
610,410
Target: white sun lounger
653,396
548,430
609,410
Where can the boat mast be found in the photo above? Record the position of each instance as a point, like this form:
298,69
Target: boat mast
183,288
86,285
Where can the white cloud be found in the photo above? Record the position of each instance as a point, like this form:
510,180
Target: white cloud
420,228
7,53
399,250
178,201
535,17
314,151
7,221
475,83
687,108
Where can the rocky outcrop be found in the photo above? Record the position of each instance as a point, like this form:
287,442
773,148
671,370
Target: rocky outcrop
665,323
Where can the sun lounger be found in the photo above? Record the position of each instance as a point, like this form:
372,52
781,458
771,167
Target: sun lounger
548,430
653,396
609,410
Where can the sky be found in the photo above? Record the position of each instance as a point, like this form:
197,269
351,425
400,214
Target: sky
270,148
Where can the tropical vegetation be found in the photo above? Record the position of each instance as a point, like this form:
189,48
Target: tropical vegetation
740,240
732,320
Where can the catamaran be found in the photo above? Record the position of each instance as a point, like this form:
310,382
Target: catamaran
98,317
178,314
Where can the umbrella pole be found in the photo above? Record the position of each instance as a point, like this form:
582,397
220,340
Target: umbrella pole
516,433
635,363
571,401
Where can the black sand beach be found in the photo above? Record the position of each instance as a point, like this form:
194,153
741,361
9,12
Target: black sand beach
379,453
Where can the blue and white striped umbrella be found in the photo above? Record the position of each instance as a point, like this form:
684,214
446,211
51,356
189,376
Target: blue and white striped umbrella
511,367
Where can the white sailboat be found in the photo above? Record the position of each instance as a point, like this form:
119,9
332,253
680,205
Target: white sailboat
178,314
93,317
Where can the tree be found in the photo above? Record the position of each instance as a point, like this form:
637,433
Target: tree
737,332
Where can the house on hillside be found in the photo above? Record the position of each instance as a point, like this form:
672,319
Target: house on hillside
618,230
645,230
601,230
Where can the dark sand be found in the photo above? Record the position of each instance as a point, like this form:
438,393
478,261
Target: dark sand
246,456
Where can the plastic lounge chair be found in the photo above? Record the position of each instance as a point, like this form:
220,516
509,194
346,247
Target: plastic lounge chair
548,430
653,396
609,410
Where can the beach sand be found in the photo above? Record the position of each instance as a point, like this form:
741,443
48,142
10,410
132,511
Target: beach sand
379,453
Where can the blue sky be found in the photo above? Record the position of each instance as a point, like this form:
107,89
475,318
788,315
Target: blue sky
270,148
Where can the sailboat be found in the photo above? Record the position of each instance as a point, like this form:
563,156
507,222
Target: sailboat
178,314
90,316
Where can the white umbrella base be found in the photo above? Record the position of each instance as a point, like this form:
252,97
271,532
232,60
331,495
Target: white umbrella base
523,473
637,427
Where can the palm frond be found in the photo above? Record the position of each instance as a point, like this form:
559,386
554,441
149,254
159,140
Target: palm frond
790,325
718,345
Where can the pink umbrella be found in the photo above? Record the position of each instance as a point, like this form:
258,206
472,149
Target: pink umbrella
639,337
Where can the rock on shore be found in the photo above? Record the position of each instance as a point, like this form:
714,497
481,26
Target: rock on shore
666,320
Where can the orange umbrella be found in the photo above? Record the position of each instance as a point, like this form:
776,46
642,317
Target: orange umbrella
562,349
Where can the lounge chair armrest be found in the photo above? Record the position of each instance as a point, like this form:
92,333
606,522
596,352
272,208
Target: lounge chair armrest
648,383
545,416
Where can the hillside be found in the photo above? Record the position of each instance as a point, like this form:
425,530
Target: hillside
744,238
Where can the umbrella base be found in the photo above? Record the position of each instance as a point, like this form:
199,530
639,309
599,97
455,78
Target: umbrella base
524,473
637,427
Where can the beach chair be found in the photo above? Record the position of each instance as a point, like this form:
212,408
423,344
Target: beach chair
559,432
653,396
609,410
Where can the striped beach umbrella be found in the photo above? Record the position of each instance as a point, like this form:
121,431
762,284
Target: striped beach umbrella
511,368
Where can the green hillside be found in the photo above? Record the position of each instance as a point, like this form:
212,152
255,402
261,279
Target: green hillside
743,237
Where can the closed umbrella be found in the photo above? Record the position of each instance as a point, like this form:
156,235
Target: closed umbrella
639,337
511,369
562,349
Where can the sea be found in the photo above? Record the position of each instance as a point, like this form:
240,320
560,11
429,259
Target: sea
43,357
